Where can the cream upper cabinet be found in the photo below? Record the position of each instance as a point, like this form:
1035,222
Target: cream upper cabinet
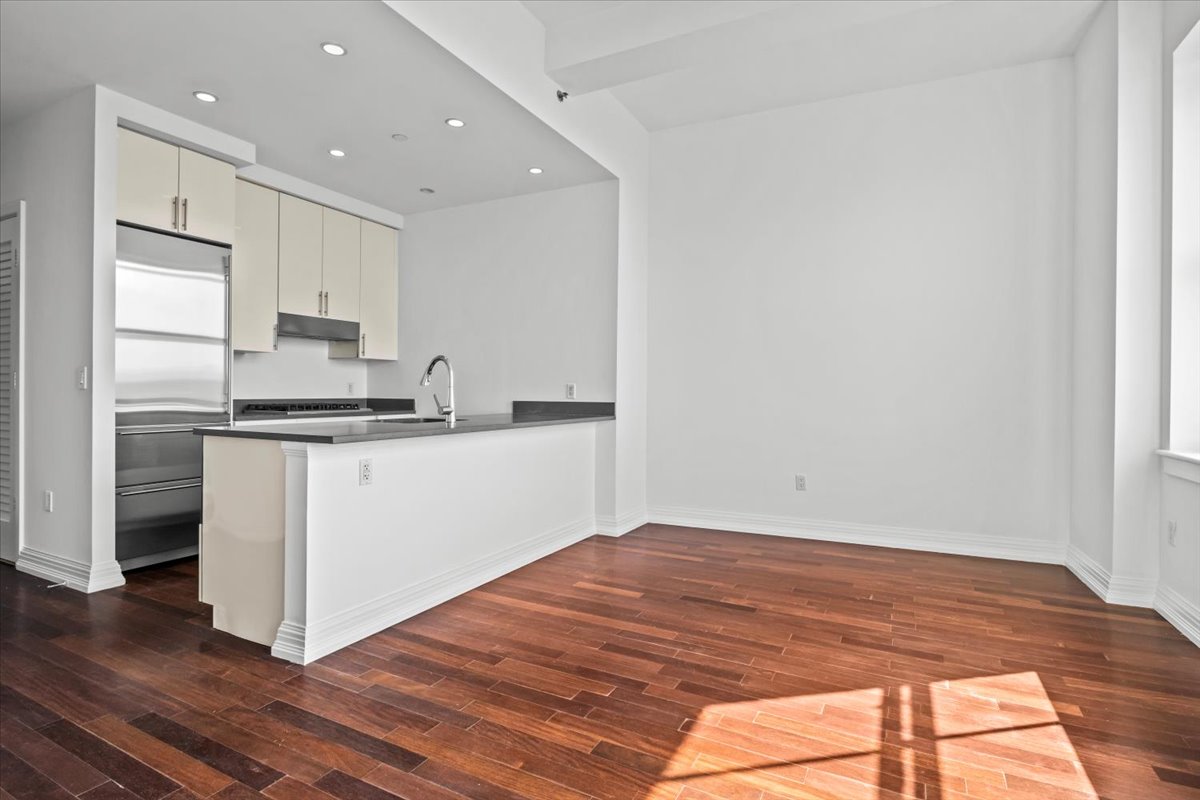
340,264
147,181
378,295
206,197
160,185
254,278
300,243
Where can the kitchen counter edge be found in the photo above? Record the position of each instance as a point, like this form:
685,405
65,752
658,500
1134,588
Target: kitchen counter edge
345,432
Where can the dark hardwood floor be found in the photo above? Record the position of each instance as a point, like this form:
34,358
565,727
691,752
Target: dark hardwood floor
671,663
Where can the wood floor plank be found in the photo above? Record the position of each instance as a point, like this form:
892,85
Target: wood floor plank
670,664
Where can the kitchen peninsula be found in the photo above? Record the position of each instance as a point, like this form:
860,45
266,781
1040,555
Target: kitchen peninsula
316,535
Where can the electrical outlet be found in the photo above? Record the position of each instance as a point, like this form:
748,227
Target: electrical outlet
366,472
48,501
350,388
801,483
570,391
1172,530
81,378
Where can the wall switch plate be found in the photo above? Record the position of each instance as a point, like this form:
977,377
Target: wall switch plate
570,391
81,378
48,501
801,483
366,472
1172,531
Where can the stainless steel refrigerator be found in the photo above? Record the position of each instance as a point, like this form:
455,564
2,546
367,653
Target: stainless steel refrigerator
172,374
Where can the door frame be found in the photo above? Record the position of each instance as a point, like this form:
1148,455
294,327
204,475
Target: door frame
17,209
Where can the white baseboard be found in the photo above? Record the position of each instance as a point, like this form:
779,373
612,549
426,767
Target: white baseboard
304,644
964,544
1179,611
619,526
75,574
1117,589
289,643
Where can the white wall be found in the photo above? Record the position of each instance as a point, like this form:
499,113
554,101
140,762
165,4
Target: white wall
519,293
299,368
872,291
1094,288
1182,247
48,161
504,42
1178,593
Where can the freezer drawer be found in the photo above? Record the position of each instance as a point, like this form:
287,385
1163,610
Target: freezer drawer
157,455
157,518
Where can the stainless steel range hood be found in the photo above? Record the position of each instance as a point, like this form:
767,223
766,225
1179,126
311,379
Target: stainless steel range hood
333,330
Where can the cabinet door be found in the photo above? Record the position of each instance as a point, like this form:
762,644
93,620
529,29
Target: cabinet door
254,278
378,296
147,181
300,235
340,265
206,197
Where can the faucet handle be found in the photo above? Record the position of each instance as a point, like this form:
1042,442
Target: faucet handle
441,408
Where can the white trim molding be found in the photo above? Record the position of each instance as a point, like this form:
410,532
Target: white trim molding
1121,590
69,572
1179,611
302,644
620,525
963,544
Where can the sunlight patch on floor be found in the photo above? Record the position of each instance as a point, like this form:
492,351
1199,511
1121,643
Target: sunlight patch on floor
992,735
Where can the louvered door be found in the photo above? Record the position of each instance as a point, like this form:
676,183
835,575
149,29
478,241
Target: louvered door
10,226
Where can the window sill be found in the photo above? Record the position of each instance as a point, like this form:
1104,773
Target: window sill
1181,465
1190,458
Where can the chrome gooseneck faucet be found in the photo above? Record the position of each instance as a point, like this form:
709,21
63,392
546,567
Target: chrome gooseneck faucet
446,410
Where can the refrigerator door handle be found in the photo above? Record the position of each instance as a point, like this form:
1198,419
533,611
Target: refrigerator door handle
138,431
133,492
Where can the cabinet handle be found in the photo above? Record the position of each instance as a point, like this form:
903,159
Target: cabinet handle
275,336
327,304
364,345
319,311
175,212
185,213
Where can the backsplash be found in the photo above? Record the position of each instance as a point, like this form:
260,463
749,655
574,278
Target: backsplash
299,368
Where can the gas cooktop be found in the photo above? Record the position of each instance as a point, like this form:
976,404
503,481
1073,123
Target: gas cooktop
304,409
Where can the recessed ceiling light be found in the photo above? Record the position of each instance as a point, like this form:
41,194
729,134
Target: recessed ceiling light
337,153
455,123
535,170
399,137
205,97
426,190
333,48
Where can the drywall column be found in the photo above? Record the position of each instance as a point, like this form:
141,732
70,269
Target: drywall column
48,160
504,42
1138,361
1117,303
1094,284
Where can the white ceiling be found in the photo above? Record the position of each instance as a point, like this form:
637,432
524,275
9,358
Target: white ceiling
279,91
677,62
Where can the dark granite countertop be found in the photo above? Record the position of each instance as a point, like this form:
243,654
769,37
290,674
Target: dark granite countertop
525,415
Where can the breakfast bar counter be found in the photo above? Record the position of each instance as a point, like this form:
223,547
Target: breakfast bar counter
318,534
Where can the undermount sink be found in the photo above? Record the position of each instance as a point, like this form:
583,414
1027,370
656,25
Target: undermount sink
415,420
